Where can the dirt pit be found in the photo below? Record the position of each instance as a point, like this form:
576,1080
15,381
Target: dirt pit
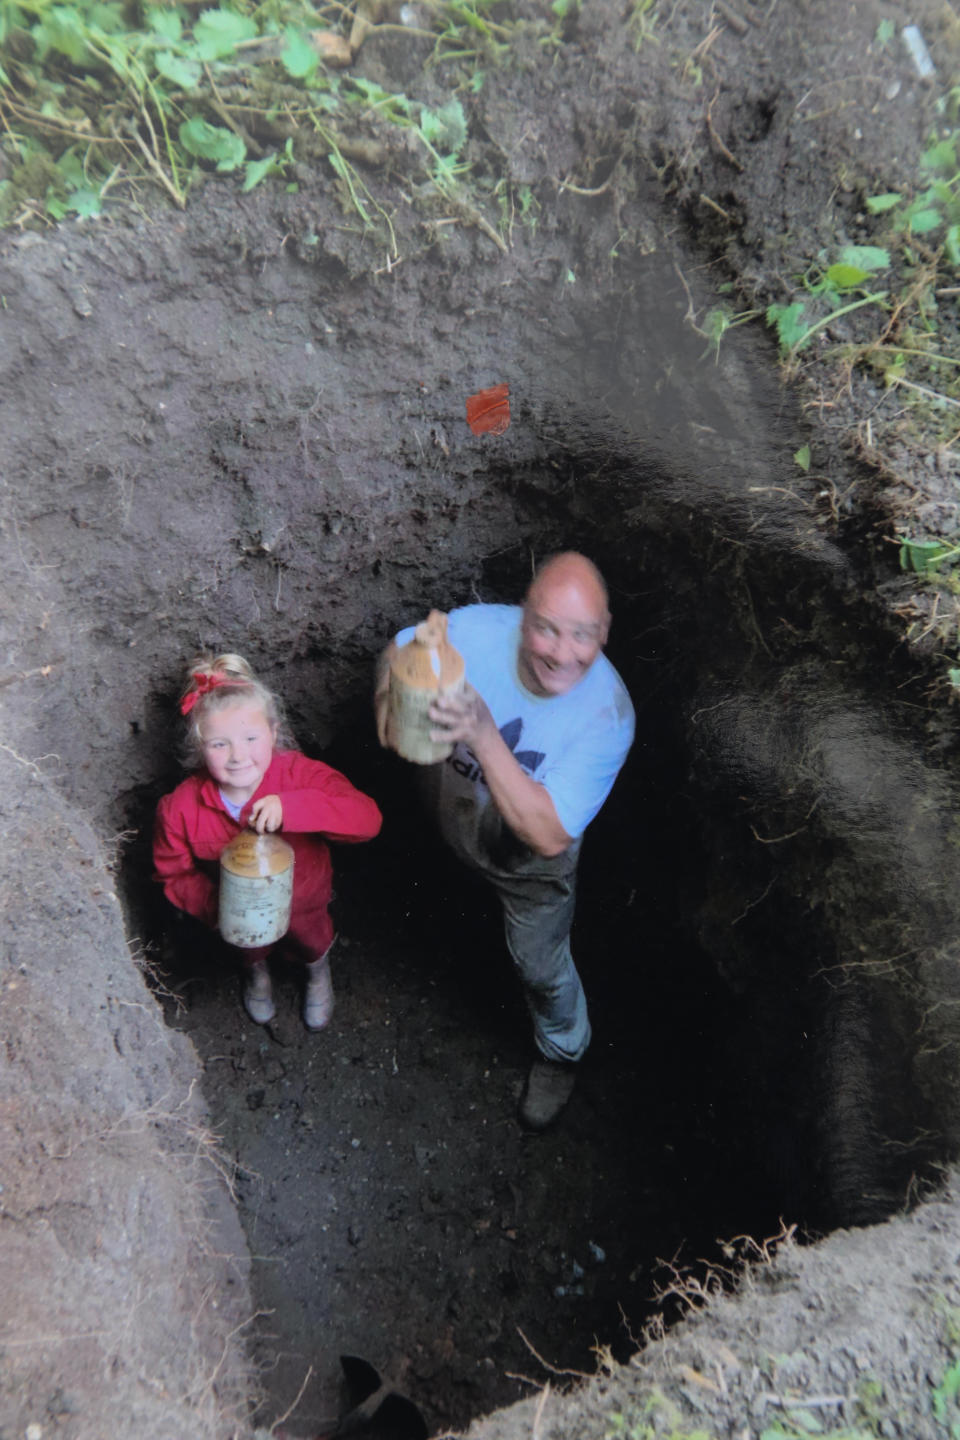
238,428
394,1207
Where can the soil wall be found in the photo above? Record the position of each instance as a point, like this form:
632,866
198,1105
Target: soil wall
125,1268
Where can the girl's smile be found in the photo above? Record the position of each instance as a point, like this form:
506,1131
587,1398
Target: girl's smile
238,742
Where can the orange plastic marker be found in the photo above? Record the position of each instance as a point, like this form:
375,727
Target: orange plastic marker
488,412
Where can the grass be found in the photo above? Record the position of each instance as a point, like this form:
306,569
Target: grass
98,100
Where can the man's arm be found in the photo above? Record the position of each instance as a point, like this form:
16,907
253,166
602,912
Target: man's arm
524,803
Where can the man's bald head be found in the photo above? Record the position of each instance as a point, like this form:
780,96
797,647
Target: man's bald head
566,620
570,568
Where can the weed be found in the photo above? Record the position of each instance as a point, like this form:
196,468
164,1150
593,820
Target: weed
641,23
656,1418
795,324
719,320
95,95
517,205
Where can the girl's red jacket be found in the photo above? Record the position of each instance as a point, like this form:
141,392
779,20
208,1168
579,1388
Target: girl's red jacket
319,804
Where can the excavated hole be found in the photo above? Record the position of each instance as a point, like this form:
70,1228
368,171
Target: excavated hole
393,1207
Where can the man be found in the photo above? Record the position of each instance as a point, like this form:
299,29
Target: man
539,735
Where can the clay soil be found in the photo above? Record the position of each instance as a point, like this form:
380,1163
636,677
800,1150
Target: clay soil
242,427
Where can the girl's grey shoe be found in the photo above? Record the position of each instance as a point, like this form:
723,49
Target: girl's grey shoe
258,995
318,998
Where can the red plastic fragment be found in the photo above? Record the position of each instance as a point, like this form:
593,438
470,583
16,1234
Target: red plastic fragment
488,412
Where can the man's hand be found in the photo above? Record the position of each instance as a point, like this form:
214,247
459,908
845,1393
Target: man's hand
461,717
523,802
266,814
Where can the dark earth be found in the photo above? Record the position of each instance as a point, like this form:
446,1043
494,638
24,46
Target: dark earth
242,427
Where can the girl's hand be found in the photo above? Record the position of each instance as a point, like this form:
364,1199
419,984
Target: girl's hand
266,814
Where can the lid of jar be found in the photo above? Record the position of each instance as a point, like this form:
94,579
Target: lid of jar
253,854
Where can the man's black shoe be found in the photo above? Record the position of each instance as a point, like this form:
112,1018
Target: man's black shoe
548,1088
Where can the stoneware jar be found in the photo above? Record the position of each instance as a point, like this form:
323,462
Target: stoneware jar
256,889
427,666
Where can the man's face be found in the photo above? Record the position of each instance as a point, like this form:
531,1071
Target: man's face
564,629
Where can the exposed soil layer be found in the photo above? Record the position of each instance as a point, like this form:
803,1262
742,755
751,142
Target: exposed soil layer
240,428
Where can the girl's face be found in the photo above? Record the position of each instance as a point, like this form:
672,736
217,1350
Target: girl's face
238,745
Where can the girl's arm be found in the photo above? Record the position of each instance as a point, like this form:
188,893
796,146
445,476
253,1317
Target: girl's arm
175,866
318,798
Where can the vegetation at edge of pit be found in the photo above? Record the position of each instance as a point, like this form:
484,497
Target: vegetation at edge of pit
105,97
656,1417
901,299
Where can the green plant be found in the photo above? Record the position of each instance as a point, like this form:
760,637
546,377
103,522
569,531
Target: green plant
937,205
794,322
944,1400
517,204
641,23
469,32
656,1418
719,320
443,134
97,94
925,557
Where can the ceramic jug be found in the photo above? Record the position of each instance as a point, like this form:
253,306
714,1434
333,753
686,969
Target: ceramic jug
427,666
256,889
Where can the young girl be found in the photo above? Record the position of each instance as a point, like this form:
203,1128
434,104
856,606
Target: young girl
243,780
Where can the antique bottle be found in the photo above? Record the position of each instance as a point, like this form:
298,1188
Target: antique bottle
256,889
421,670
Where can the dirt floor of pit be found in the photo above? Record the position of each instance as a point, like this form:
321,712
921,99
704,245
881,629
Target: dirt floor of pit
394,1207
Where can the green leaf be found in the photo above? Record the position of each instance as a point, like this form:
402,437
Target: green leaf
183,73
942,156
954,677
786,319
802,457
70,169
107,15
219,32
258,170
923,221
445,128
298,56
885,32
716,323
476,81
845,277
394,105
877,204
952,244
85,202
63,31
166,23
868,257
923,556
212,142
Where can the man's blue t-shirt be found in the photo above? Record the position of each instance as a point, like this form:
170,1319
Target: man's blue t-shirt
573,744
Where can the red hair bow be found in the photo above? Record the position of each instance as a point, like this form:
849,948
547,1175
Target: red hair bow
202,685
